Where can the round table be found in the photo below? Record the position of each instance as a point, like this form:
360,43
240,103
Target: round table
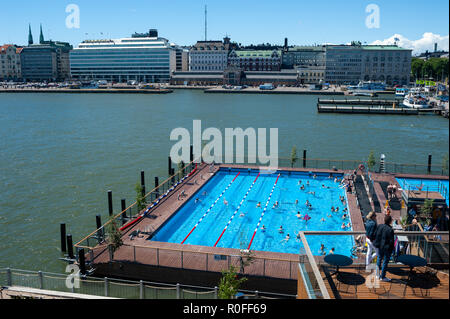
338,261
412,261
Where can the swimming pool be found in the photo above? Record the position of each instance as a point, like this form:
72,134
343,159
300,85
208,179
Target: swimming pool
224,212
433,185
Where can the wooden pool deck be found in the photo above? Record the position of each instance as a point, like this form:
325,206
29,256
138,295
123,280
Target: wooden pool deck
426,283
193,260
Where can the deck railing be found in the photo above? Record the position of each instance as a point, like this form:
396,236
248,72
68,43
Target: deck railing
111,287
415,241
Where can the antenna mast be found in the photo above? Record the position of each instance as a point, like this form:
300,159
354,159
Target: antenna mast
206,23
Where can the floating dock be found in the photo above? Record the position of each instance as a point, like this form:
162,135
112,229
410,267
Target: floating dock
366,110
354,101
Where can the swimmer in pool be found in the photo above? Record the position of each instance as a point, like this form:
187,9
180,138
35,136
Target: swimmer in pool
332,209
299,182
296,202
242,214
322,249
348,225
258,205
204,193
343,226
287,238
280,230
275,205
322,220
302,187
299,215
263,228
307,203
332,251
225,202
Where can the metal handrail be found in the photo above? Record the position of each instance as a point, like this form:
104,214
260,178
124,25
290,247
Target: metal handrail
78,244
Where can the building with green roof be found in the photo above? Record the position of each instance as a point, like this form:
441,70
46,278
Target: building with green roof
255,60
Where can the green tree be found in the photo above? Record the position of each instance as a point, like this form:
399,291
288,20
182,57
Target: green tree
417,67
371,161
140,200
113,235
294,156
229,284
427,207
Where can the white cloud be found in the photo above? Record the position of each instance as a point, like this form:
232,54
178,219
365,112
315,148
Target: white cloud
418,46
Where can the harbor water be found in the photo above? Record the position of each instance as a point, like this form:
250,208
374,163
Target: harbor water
61,153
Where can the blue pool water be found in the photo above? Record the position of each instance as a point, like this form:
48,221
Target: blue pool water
203,222
433,185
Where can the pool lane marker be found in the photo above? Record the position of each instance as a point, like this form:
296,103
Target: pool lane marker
237,209
210,207
262,215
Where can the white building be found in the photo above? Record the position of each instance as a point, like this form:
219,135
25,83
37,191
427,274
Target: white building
10,66
143,57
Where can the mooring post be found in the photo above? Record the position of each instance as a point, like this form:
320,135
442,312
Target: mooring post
82,261
106,287
170,165
98,221
8,277
304,158
191,155
429,163
156,187
41,280
63,237
69,246
172,173
143,183
124,213
178,291
110,206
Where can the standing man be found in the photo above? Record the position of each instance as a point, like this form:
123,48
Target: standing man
371,228
384,242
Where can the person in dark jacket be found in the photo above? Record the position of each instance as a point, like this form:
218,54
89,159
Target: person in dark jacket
371,228
384,242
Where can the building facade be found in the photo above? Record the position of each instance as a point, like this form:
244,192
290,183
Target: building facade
39,63
143,57
350,64
303,57
45,61
209,56
255,60
10,66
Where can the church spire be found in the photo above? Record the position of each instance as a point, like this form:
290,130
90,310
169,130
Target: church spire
41,36
30,36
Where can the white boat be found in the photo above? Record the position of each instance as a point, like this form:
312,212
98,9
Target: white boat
416,99
401,91
367,87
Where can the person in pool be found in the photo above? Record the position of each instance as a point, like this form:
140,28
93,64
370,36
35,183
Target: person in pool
280,230
258,205
349,225
225,202
322,220
287,238
344,216
296,202
332,209
299,182
331,251
275,205
263,228
299,215
343,226
302,187
307,203
322,249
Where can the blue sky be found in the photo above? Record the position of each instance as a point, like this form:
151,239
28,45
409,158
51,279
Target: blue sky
250,21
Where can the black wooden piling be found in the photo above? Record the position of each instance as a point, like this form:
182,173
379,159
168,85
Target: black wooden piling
82,261
143,183
170,165
304,158
156,187
191,155
98,222
429,163
124,213
70,246
110,206
63,238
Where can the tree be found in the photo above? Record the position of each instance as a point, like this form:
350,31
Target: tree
229,284
427,207
140,200
371,161
113,235
294,156
416,67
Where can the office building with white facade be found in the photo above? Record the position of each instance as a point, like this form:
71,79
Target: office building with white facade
143,57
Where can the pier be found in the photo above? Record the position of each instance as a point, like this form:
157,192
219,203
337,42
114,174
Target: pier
98,91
